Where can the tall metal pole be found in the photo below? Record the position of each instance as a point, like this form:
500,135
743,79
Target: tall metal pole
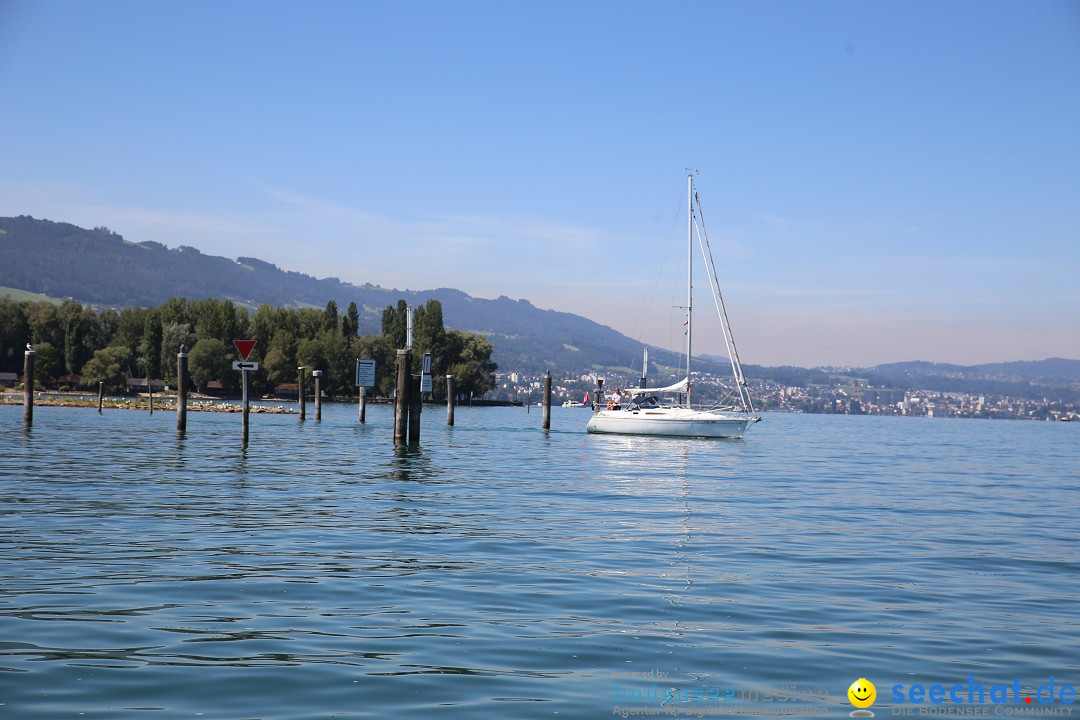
244,382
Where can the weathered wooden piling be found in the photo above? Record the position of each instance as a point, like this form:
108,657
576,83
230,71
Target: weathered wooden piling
450,400
150,391
181,389
317,374
28,385
100,395
401,398
416,404
547,401
300,391
363,403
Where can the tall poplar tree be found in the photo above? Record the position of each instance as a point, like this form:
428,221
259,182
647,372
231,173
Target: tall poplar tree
330,317
393,324
350,326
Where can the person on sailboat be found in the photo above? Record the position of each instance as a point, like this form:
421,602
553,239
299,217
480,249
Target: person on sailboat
615,401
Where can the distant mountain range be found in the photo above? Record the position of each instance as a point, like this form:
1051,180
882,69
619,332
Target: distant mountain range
1041,370
98,267
1032,379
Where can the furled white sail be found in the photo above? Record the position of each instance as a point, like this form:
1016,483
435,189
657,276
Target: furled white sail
678,387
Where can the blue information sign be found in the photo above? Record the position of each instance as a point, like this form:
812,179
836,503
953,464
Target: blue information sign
365,373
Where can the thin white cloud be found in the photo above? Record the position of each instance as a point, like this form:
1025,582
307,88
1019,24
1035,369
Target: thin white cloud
566,236
774,221
153,223
461,231
787,292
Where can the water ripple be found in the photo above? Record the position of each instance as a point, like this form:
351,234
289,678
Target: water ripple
500,571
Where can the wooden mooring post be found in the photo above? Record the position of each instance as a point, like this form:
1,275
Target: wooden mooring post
28,385
317,374
401,397
181,389
300,391
100,395
547,401
363,403
450,400
416,404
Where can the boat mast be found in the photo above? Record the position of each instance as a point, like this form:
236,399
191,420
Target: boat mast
721,308
689,276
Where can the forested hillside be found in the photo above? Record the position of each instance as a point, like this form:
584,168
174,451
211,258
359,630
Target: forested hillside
98,267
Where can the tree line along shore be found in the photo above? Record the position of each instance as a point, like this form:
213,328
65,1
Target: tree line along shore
79,347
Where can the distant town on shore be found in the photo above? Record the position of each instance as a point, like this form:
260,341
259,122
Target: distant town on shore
843,395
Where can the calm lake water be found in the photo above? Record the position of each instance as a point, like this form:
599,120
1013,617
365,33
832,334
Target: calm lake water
497,571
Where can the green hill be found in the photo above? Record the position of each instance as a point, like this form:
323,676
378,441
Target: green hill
98,267
18,295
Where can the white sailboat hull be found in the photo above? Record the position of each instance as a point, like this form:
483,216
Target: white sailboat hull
651,417
669,422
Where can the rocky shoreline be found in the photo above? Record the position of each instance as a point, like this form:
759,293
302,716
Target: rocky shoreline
167,404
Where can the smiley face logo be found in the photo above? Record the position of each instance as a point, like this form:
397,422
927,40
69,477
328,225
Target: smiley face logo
862,693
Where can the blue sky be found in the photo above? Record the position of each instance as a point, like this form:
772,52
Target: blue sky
882,181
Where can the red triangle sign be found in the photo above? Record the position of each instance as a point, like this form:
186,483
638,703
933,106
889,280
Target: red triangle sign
244,347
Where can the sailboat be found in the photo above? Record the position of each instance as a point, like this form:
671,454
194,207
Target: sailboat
667,410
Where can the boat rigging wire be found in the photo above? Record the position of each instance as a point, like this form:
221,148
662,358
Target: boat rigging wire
721,308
